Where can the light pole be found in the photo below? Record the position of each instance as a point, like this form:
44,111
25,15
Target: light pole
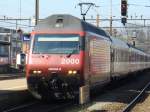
97,17
36,11
110,17
20,11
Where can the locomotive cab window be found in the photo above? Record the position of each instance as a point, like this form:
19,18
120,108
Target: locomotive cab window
56,44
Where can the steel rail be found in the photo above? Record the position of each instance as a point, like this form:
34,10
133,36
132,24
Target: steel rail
20,107
25,106
135,100
59,107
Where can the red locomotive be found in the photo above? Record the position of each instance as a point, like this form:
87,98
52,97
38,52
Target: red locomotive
67,53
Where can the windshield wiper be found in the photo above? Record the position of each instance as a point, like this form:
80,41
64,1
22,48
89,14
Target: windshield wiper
73,51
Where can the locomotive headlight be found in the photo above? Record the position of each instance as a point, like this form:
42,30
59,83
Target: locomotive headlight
34,71
39,71
70,72
74,72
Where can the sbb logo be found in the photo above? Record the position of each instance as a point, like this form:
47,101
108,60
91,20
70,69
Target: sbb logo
70,61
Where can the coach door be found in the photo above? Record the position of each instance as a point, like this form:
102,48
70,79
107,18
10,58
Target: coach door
112,56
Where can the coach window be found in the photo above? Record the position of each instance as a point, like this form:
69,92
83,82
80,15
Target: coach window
121,55
116,53
4,50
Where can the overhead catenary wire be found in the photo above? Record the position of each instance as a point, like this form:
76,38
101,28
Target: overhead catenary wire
15,23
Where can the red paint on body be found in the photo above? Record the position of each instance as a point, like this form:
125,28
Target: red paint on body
59,63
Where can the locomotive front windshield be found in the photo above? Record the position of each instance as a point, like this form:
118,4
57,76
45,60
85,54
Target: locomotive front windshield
56,44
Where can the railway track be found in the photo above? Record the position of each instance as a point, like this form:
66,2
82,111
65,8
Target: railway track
17,108
119,96
39,107
136,99
118,92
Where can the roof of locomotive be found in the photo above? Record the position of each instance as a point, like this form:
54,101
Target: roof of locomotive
64,22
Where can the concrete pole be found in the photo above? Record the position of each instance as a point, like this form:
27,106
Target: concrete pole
36,11
97,20
110,17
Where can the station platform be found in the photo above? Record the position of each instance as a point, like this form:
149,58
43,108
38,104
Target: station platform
13,84
11,76
12,92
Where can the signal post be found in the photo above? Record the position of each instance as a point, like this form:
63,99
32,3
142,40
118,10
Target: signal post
124,11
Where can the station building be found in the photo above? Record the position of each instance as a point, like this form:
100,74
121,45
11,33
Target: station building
11,44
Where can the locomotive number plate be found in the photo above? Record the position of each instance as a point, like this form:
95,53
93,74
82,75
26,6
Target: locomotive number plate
70,61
